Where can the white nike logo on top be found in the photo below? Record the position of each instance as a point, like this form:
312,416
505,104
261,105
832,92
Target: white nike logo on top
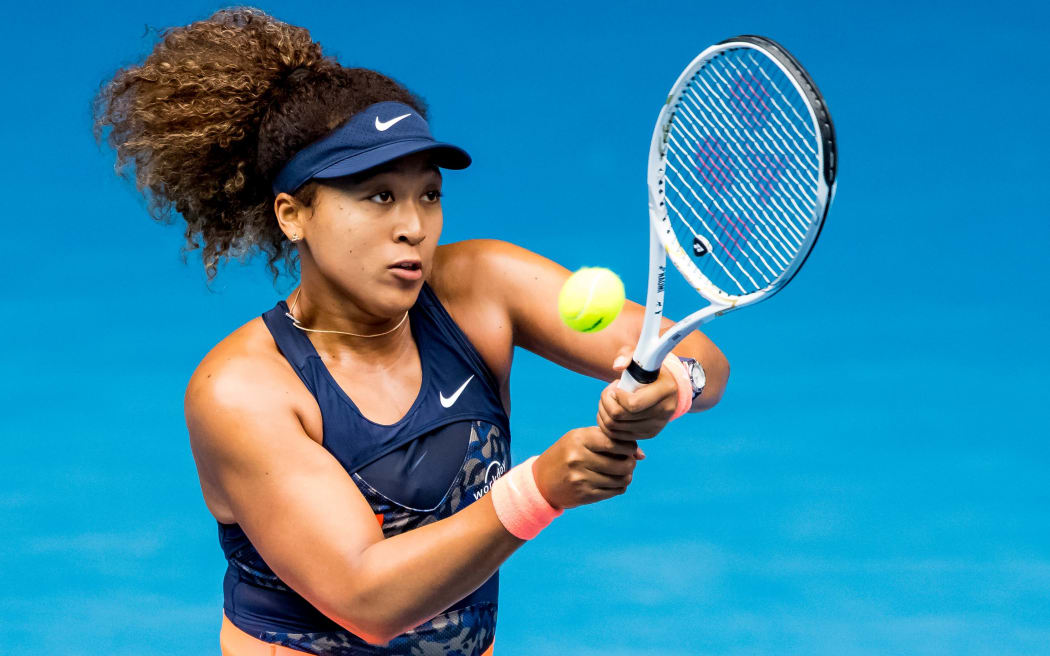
450,401
383,126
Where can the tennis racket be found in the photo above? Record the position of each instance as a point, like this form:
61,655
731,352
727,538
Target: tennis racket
741,176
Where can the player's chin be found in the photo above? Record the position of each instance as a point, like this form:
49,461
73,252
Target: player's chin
400,290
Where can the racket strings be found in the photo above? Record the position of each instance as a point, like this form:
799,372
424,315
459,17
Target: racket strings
758,150
724,227
777,246
716,107
763,163
742,171
778,137
772,237
763,202
713,252
732,158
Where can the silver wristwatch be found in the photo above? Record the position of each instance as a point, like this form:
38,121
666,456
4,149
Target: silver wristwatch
696,375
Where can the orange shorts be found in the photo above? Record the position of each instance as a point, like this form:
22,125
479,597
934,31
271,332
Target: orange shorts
234,642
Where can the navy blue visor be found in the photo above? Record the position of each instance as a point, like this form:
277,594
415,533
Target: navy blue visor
376,135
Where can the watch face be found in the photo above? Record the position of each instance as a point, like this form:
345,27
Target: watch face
696,373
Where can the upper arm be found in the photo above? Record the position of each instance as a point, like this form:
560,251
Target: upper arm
527,285
292,498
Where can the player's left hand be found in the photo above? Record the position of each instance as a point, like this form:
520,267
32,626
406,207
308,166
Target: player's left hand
640,414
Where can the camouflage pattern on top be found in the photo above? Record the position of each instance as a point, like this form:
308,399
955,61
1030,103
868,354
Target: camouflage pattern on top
466,631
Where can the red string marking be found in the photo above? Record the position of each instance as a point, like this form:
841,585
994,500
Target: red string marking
771,171
724,249
717,159
725,232
749,99
760,94
704,169
743,237
716,184
706,179
711,163
718,168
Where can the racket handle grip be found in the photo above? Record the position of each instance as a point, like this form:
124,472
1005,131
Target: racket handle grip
634,377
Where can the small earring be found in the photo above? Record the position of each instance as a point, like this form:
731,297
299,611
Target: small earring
295,238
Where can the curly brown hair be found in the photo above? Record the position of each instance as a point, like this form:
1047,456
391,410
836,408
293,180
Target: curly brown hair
214,112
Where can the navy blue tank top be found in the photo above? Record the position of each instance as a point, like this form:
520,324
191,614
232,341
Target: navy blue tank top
443,455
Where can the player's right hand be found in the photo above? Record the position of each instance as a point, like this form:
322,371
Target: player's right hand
585,466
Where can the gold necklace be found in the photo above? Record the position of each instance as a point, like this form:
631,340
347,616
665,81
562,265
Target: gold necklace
295,322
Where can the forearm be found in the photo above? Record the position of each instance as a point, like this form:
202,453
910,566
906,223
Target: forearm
409,578
716,368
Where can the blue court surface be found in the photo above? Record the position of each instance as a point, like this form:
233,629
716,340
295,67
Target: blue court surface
874,481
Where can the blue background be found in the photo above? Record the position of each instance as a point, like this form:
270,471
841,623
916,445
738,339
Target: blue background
873,482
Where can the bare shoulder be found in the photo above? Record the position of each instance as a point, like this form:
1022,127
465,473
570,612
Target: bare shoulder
486,271
461,268
467,278
243,381
237,370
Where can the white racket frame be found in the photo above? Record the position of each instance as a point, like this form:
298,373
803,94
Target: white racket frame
652,347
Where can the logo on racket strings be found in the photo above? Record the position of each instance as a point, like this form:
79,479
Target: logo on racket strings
699,248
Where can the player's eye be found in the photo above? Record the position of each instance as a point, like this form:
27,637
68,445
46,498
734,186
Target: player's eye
432,196
382,197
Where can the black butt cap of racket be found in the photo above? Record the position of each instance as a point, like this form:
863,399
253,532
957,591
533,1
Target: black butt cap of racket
641,375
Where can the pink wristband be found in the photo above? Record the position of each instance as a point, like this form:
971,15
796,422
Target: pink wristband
518,502
685,385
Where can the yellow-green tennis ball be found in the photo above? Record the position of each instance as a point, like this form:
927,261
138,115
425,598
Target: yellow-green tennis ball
590,299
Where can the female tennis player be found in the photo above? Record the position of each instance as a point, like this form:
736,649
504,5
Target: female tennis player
353,441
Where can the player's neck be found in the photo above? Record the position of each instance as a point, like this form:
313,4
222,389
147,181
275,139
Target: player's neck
340,329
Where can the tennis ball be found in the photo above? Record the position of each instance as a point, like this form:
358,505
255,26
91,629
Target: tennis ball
590,299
